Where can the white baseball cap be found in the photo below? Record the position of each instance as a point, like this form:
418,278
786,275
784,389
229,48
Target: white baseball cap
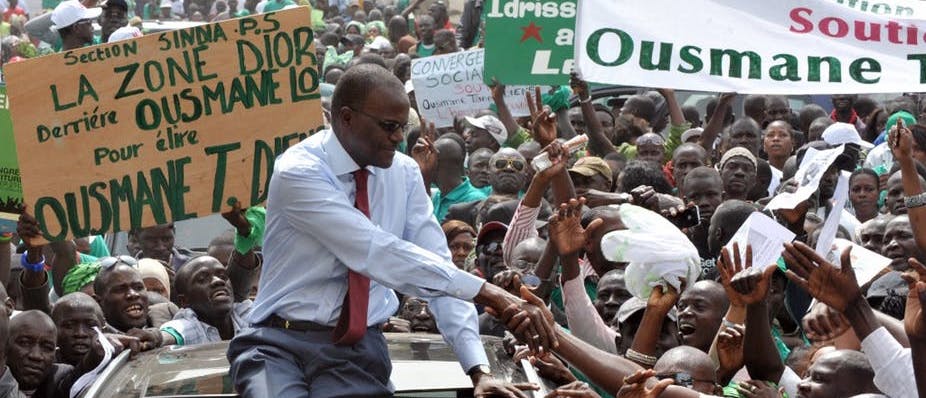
70,12
124,33
844,133
492,125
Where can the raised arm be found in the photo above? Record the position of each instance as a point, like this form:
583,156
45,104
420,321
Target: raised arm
33,280
752,286
901,142
837,287
504,114
598,144
244,263
715,125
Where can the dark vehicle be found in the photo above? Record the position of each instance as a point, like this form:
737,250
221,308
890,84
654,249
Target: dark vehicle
423,365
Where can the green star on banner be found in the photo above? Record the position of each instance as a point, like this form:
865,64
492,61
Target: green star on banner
529,42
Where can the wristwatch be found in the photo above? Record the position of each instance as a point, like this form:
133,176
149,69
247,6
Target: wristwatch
484,369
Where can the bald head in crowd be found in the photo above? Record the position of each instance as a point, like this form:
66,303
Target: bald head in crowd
694,362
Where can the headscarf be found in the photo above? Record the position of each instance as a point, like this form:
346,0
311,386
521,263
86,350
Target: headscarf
378,25
151,268
359,25
80,276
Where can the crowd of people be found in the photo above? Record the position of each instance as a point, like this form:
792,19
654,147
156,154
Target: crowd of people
603,231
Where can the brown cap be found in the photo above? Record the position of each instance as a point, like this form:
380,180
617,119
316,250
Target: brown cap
591,165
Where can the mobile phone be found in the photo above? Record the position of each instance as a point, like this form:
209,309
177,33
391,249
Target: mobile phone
688,218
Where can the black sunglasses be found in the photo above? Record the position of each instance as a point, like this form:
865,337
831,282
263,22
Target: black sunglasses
516,164
388,125
109,262
490,248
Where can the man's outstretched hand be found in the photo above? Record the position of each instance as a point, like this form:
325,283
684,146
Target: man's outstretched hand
750,284
834,286
728,267
566,230
529,320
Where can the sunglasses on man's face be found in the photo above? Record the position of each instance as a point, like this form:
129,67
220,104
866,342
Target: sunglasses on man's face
490,248
109,262
516,164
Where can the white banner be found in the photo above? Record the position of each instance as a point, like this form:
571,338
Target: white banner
769,47
451,85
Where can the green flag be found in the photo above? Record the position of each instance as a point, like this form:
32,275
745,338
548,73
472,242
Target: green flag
529,42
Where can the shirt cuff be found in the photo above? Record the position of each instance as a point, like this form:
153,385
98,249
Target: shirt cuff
465,286
881,348
472,353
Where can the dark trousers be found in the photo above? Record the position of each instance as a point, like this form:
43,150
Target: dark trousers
268,362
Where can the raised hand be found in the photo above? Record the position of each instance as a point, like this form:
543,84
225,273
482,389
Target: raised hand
576,389
579,86
425,153
558,156
823,323
498,90
566,230
635,385
236,218
729,267
730,347
543,120
836,287
28,230
914,321
751,284
662,299
900,140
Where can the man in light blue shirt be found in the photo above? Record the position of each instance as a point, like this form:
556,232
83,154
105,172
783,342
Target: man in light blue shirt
315,237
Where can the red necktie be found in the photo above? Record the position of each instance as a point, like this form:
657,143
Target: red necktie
352,323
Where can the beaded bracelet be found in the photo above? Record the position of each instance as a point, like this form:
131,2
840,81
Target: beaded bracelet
37,267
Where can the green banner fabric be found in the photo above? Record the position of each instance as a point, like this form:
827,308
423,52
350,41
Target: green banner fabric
529,43
11,193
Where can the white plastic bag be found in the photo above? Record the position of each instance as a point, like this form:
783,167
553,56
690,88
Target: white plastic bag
658,253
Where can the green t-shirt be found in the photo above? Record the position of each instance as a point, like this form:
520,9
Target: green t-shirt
465,192
424,51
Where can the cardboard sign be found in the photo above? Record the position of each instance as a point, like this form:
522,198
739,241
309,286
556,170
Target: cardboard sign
530,42
164,127
451,85
761,47
11,194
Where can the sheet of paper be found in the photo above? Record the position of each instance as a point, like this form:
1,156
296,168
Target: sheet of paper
766,236
808,176
866,263
831,225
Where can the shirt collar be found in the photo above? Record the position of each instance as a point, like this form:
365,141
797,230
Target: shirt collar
340,161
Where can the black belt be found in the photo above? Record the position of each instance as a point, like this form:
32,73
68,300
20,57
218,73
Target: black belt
275,321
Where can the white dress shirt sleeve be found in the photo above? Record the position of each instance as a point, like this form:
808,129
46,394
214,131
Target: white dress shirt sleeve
456,319
892,363
316,207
